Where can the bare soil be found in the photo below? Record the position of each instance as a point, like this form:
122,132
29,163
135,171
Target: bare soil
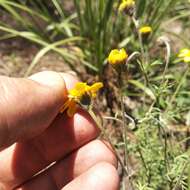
16,56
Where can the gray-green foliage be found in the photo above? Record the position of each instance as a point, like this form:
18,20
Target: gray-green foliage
161,145
162,162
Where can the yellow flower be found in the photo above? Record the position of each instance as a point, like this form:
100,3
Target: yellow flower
71,106
117,57
127,6
78,91
94,88
145,30
185,55
81,93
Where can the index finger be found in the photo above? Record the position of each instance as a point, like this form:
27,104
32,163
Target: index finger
25,102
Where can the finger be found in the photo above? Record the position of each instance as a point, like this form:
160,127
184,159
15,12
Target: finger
45,78
22,160
101,175
28,106
78,162
82,160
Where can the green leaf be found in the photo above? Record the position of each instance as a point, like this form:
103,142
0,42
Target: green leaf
141,5
49,47
157,62
141,86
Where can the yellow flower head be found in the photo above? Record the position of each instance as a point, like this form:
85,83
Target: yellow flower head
145,30
127,6
117,57
80,94
185,55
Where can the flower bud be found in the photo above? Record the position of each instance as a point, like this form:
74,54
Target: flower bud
117,57
127,6
145,32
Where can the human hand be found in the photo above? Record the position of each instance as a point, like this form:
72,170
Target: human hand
33,135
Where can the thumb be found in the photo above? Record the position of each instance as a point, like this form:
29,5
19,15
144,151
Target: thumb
28,106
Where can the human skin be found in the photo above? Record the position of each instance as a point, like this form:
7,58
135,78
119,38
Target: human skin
33,134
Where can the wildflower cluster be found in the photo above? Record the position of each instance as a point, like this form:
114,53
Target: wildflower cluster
128,7
80,94
184,54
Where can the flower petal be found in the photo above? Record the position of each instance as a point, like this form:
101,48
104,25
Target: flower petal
65,106
117,56
72,109
145,30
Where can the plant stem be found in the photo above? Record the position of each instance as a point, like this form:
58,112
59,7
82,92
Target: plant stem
167,58
135,22
109,140
180,177
126,159
143,62
179,85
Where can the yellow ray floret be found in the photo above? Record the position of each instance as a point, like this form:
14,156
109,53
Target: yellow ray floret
94,88
145,30
126,4
117,56
78,91
76,94
185,55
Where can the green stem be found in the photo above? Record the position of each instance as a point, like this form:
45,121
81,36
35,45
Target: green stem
143,53
126,159
135,22
179,85
94,117
143,162
181,175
